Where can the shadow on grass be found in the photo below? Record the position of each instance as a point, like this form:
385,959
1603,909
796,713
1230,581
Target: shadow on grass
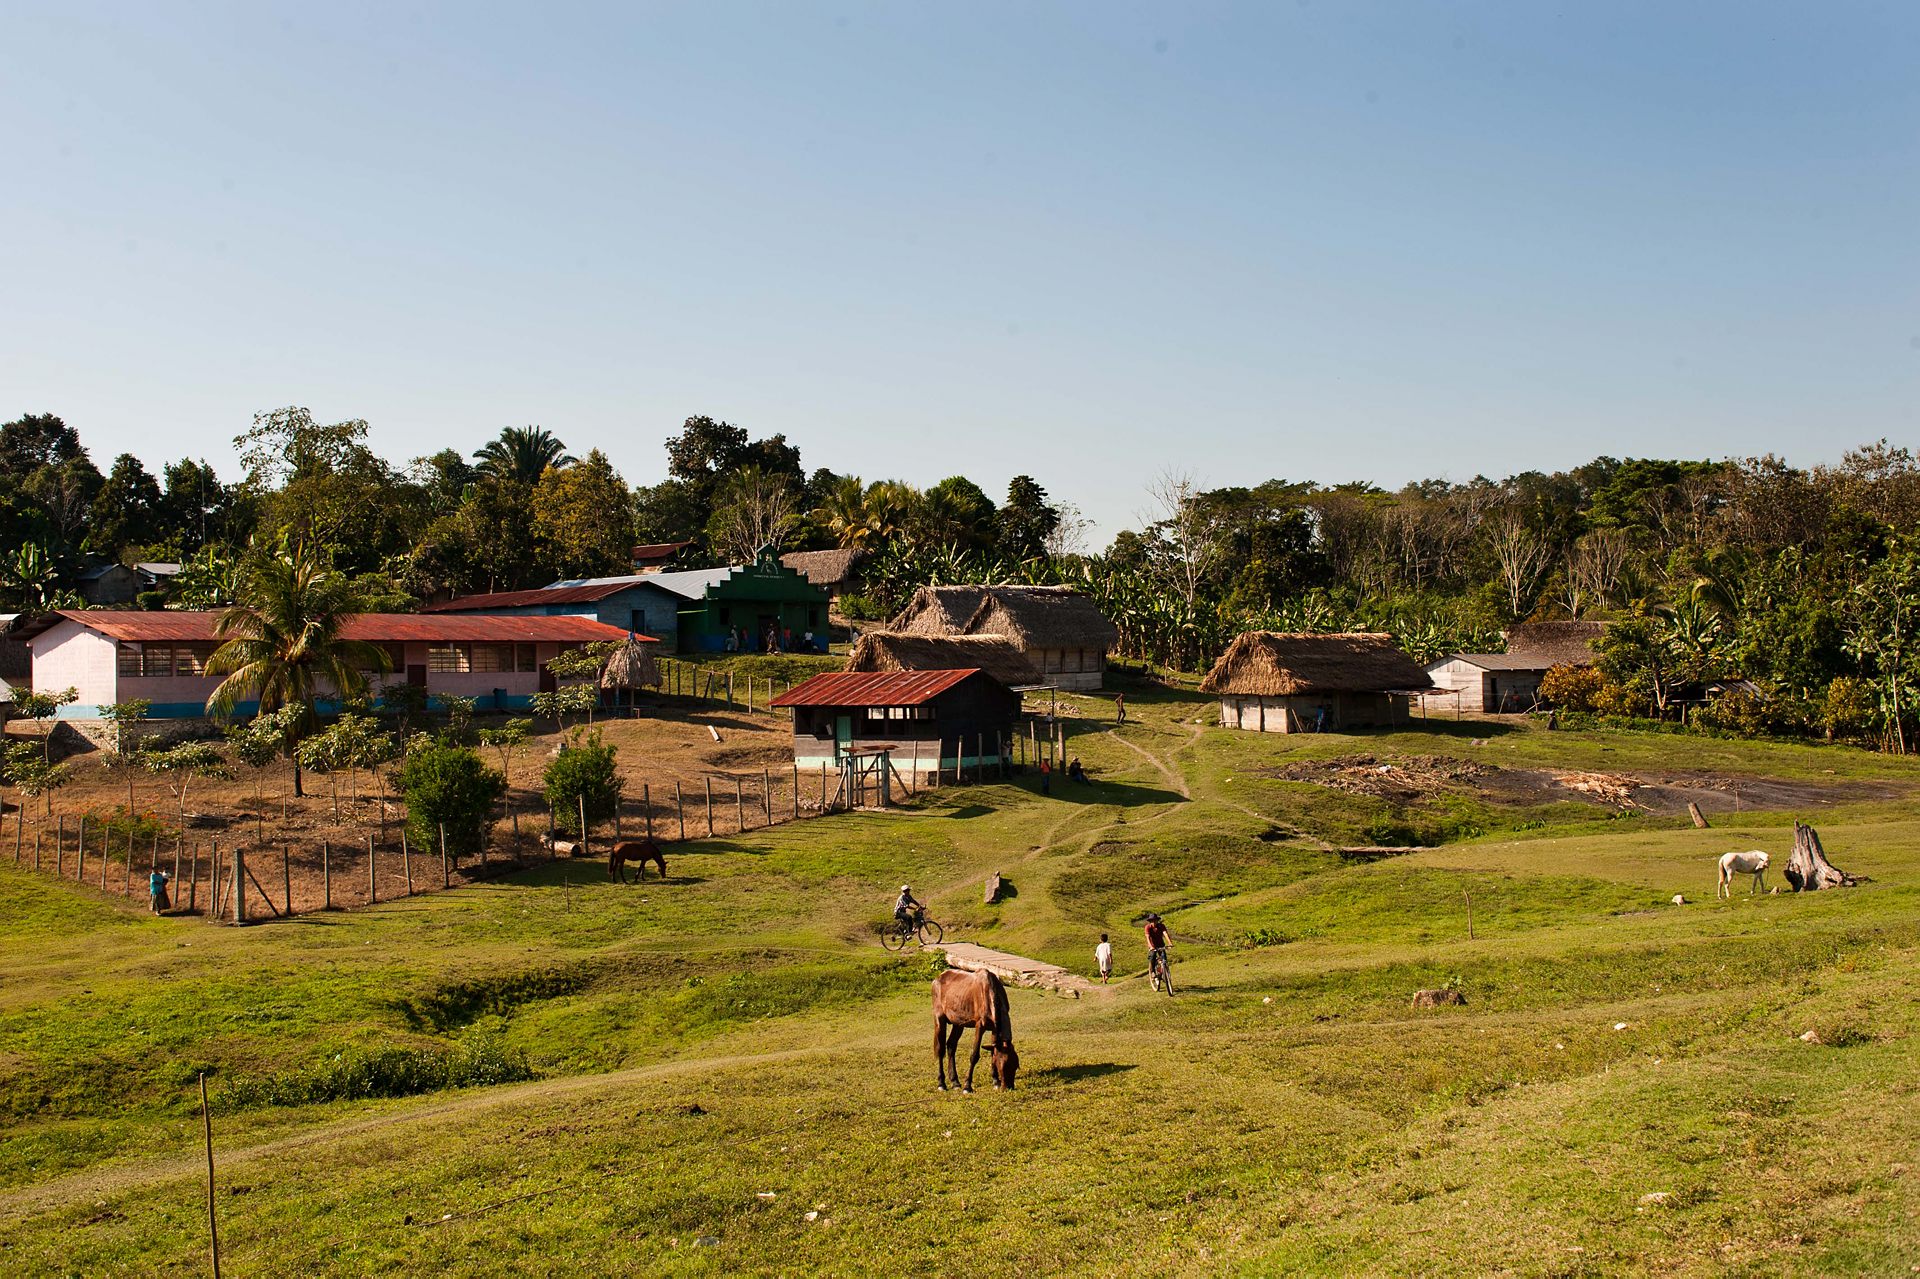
1074,1074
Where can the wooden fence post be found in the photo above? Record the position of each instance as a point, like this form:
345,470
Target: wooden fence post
36,850
373,876
446,869
126,878
193,882
406,862
176,866
80,874
326,875
739,810
237,884
709,808
823,785
680,811
286,874
796,790
584,849
766,794
646,803
19,831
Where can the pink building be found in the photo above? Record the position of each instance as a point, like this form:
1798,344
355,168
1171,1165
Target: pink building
114,656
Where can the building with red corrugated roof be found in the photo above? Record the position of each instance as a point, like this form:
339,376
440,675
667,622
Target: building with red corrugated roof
929,719
114,656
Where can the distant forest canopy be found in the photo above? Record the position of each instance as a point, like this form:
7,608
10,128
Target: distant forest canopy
1804,582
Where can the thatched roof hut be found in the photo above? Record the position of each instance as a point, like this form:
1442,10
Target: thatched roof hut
938,610
833,570
1550,644
1272,664
631,666
895,651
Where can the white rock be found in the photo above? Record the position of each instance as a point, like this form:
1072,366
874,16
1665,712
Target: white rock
1619,1025
813,1216
1679,899
1267,1000
1657,1197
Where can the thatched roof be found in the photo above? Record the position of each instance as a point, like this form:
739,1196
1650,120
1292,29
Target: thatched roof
631,666
831,569
1556,643
894,651
938,610
1043,617
1270,664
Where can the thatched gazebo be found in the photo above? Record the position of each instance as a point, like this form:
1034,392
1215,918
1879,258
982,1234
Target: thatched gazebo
881,651
631,666
1301,683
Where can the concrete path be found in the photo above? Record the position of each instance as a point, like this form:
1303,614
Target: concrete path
1017,969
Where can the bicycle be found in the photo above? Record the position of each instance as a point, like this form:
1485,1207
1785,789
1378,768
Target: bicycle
922,932
1160,970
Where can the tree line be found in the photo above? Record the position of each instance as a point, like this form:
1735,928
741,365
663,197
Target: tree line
1797,584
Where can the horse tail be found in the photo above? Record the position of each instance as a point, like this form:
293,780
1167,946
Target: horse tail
1002,1015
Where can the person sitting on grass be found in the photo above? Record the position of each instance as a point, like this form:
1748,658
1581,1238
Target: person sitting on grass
1075,773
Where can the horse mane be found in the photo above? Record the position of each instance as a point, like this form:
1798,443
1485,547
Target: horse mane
1002,1014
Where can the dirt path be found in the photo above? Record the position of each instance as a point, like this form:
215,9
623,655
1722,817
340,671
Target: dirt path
1017,969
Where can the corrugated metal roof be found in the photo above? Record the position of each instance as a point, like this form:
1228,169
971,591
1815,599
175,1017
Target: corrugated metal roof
141,626
522,599
873,688
688,584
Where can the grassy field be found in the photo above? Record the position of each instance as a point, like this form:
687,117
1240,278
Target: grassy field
725,1074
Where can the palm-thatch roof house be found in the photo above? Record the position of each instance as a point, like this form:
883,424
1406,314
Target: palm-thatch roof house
1061,632
1508,682
1290,683
835,572
881,651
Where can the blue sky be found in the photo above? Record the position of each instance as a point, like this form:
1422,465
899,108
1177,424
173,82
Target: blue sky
1085,241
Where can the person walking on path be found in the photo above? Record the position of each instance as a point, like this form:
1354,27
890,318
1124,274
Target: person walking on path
1119,710
1103,956
157,893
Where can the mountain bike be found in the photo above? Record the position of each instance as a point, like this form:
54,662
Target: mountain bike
922,932
1160,970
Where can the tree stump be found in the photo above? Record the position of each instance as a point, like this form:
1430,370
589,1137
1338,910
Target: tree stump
994,887
1436,998
1808,869
1699,818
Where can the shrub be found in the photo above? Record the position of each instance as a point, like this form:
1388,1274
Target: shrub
1737,710
450,785
862,608
583,770
383,1072
1848,709
1572,688
1618,700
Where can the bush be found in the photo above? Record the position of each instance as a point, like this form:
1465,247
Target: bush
862,608
1736,710
452,786
583,770
1848,709
385,1072
1572,688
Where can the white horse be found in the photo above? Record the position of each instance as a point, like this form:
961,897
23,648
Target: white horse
1753,863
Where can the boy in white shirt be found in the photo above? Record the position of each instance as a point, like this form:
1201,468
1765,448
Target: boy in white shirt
1103,956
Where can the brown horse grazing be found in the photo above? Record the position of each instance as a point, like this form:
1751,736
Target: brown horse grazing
977,1000
639,852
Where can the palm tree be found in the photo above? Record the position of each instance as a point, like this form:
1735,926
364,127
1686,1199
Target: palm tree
283,642
843,511
522,453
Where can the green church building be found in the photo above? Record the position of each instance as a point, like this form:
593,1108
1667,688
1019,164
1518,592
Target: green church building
702,610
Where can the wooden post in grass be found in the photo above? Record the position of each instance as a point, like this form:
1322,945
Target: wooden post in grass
446,868
373,875
709,808
286,874
646,804
1469,896
739,809
680,811
193,882
749,694
729,690
766,794
206,1127
237,884
406,863
823,785
616,821
213,879
796,790
36,850
326,875
106,854
19,831
80,872
126,878
59,843
176,866
583,850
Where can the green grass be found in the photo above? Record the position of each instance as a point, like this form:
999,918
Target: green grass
715,1058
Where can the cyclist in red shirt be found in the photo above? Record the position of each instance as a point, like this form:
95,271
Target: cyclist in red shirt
1157,939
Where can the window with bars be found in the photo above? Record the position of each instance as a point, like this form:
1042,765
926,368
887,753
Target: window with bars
481,659
159,660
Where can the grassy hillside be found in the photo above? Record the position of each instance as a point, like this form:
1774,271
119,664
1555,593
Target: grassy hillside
725,1074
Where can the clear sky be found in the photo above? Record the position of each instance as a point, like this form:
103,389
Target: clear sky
1297,238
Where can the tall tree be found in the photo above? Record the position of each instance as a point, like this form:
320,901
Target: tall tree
283,643
125,511
752,508
1026,521
522,454
580,520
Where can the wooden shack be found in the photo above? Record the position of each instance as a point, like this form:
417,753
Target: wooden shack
1509,682
1272,682
931,720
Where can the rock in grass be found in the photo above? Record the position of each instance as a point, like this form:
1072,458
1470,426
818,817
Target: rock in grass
1812,1037
1435,998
